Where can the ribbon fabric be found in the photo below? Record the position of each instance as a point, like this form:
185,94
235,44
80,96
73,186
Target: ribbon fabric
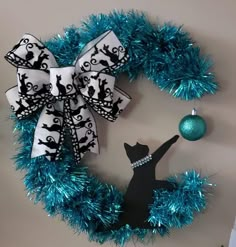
67,95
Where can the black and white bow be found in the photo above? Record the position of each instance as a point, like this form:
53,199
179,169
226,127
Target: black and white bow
66,94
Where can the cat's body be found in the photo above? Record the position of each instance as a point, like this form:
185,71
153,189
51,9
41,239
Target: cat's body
139,195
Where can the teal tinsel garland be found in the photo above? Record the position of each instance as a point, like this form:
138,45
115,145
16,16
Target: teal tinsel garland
166,56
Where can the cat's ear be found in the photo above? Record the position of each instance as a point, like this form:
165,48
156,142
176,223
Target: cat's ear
127,147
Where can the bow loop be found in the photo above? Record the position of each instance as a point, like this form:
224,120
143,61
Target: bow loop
29,52
65,93
103,54
97,89
22,107
33,84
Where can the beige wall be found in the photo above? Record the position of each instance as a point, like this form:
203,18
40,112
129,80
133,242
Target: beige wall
152,117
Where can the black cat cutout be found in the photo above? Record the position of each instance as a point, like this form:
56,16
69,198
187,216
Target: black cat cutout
82,123
115,108
42,56
23,86
54,127
54,112
43,90
85,138
86,147
78,110
51,155
91,91
61,87
50,142
96,51
113,57
20,43
102,90
21,107
139,195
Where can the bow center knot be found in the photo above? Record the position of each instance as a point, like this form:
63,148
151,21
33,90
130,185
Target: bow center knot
62,82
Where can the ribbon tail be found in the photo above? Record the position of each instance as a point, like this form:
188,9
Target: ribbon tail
82,127
49,134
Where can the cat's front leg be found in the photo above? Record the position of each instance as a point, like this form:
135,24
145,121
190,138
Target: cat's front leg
160,152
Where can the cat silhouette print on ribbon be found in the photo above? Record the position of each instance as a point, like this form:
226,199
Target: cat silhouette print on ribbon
67,95
139,194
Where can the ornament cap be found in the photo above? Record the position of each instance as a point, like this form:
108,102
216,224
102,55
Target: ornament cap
194,111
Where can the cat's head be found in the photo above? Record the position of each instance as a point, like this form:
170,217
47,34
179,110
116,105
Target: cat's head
136,152
58,77
119,100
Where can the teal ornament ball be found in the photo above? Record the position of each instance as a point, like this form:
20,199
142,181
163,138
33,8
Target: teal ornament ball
192,127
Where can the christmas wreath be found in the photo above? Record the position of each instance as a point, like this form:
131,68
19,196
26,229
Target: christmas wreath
61,81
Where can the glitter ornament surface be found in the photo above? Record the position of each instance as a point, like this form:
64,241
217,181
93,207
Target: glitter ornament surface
192,127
